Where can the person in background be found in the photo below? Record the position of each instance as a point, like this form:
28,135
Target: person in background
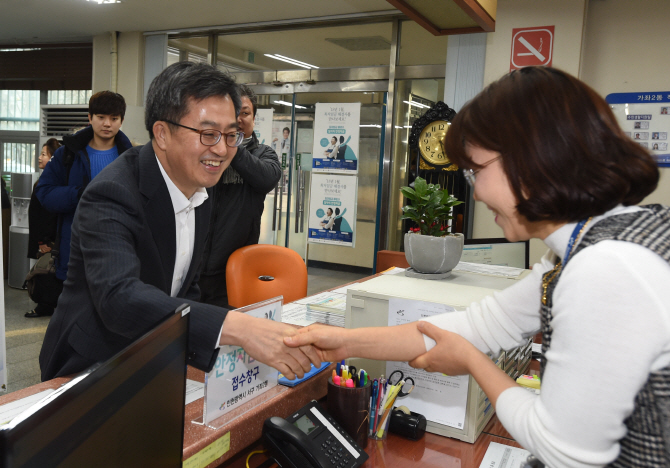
82,156
237,203
42,227
139,233
557,168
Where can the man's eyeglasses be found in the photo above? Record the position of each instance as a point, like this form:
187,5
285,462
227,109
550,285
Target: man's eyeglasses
211,137
469,174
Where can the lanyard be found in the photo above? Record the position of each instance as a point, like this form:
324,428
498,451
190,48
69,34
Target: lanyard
573,239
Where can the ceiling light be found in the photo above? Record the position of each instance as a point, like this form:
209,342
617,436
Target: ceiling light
100,2
373,126
284,103
291,61
417,104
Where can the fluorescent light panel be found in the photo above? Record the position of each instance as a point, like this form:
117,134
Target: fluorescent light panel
284,103
291,61
417,104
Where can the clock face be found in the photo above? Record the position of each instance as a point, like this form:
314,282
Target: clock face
431,142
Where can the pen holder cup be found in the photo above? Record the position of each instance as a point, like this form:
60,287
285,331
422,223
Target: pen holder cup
350,407
381,427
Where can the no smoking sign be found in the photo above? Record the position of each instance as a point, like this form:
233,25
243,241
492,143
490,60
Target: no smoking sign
531,47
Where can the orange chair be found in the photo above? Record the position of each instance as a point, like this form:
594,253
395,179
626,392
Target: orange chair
258,272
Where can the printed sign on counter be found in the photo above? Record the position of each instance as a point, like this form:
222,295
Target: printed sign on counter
237,377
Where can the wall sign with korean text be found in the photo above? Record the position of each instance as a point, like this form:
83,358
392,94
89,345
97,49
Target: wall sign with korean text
532,47
332,209
645,117
336,134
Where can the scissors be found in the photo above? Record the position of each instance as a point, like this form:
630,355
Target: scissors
401,378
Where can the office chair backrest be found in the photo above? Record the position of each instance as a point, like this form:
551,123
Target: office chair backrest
258,272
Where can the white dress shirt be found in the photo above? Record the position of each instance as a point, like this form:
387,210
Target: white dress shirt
184,218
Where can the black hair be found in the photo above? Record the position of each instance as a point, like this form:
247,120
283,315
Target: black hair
169,94
563,152
51,145
246,91
107,103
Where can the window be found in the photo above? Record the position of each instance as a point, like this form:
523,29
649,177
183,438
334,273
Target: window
19,110
69,96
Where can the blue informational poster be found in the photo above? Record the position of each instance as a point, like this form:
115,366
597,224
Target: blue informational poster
645,117
336,134
332,209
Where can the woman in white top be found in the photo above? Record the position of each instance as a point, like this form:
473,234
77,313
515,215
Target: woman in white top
545,154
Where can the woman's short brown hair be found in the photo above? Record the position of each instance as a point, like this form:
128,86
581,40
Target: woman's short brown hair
562,150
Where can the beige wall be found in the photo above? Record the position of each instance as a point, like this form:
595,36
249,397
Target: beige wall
625,46
567,16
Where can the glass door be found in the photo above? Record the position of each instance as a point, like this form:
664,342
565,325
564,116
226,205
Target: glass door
286,212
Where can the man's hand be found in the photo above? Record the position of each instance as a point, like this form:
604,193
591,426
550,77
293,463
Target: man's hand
44,248
330,342
263,339
452,355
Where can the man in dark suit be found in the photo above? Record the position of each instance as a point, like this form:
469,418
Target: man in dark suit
139,232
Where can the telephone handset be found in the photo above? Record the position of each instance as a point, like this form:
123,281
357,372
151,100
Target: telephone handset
311,438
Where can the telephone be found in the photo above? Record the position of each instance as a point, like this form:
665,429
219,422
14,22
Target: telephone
310,438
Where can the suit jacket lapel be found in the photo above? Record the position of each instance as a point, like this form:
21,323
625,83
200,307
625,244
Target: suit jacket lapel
159,211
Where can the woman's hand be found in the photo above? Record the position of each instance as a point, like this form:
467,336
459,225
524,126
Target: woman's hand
452,355
329,342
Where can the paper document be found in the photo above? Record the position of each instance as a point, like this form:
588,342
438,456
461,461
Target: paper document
504,456
295,314
490,270
194,390
394,271
10,410
441,398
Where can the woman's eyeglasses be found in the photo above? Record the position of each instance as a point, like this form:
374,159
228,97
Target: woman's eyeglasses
470,174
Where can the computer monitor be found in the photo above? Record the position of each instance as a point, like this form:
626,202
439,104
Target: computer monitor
125,412
496,251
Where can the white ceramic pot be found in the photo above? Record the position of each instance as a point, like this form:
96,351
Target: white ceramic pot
428,254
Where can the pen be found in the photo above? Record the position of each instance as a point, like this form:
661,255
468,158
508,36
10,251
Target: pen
380,395
373,402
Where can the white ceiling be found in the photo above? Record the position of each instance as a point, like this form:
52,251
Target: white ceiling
35,21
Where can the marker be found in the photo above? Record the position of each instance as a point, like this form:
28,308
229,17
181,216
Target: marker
338,368
336,380
350,383
334,373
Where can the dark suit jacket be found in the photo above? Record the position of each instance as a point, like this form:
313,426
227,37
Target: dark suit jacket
120,271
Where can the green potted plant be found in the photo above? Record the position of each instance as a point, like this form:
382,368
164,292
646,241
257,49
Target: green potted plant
430,248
